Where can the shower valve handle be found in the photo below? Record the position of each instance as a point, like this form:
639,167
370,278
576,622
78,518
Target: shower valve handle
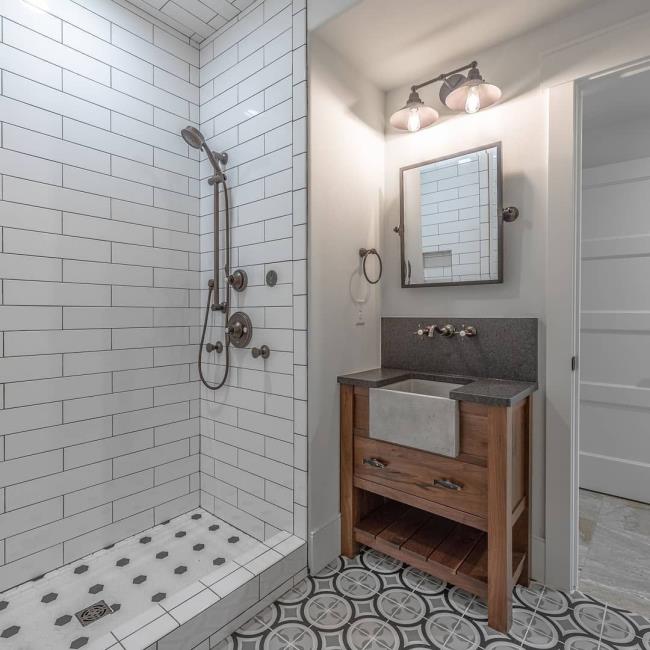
237,330
264,351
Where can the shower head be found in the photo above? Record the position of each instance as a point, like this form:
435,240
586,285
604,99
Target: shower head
195,139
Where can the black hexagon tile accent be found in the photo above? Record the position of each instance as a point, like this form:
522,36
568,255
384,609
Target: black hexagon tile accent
158,597
82,568
116,607
79,642
63,620
95,589
145,540
180,533
162,555
10,631
48,598
219,561
122,562
179,570
3,604
233,540
213,527
198,547
196,516
138,580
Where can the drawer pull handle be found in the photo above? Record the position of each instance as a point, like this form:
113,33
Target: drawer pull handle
374,462
447,484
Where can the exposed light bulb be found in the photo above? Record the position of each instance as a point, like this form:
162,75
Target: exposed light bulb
473,101
414,120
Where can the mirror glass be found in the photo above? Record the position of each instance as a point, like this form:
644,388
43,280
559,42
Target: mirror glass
451,224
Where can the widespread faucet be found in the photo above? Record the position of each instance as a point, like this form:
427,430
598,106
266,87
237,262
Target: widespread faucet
448,331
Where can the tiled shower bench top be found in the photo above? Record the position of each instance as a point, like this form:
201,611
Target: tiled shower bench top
175,585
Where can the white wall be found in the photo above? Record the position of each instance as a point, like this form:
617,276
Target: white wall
320,11
253,431
346,198
519,121
99,224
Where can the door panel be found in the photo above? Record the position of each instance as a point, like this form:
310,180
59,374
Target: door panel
615,331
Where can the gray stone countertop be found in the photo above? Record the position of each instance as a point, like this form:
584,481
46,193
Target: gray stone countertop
482,390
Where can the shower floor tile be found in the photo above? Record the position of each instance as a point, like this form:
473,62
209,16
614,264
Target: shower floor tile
148,584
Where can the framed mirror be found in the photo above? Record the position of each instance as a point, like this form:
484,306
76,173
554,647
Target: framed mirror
451,225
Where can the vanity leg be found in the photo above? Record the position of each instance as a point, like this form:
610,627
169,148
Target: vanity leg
522,529
499,518
349,495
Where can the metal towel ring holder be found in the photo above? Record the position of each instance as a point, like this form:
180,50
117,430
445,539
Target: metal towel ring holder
365,253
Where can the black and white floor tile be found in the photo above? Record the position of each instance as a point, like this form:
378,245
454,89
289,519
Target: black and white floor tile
373,602
145,586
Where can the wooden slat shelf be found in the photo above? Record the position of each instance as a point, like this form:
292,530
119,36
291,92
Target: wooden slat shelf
443,548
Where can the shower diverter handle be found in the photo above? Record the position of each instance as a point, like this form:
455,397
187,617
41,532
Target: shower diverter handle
237,330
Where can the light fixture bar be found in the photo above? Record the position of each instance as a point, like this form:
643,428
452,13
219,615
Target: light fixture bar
468,92
444,75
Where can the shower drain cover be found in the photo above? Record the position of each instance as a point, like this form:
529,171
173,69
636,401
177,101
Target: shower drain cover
93,613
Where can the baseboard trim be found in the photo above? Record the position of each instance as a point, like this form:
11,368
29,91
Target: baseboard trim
325,544
619,477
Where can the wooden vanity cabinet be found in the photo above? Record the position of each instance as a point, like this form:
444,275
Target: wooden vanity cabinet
464,520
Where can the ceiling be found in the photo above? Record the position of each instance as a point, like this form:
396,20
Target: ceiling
619,97
396,43
197,19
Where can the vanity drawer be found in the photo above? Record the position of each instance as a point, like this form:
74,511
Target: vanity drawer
447,481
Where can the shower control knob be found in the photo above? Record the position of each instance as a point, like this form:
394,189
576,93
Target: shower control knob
218,347
238,280
239,330
263,351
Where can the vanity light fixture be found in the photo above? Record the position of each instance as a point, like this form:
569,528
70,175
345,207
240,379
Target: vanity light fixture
458,92
415,115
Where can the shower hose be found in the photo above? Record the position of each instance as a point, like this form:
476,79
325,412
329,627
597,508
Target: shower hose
213,288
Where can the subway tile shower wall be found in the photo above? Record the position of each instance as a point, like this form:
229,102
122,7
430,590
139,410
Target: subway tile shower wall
253,105
105,249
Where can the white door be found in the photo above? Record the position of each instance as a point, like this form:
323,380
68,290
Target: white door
615,330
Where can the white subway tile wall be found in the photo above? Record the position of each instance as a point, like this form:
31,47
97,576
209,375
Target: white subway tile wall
253,104
99,223
105,253
459,236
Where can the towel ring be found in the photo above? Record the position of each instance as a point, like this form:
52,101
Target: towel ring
365,253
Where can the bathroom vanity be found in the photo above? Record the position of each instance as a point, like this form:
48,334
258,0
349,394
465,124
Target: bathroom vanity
462,516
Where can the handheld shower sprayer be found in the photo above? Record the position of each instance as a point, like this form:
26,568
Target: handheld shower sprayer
194,138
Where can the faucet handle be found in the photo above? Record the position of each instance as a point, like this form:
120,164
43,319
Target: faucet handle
468,330
426,330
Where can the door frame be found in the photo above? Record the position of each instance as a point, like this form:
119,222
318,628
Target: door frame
562,317
563,73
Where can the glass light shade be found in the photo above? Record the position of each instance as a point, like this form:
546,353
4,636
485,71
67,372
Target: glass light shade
473,95
414,116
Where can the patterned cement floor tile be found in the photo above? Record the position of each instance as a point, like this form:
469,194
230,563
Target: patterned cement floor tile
373,602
